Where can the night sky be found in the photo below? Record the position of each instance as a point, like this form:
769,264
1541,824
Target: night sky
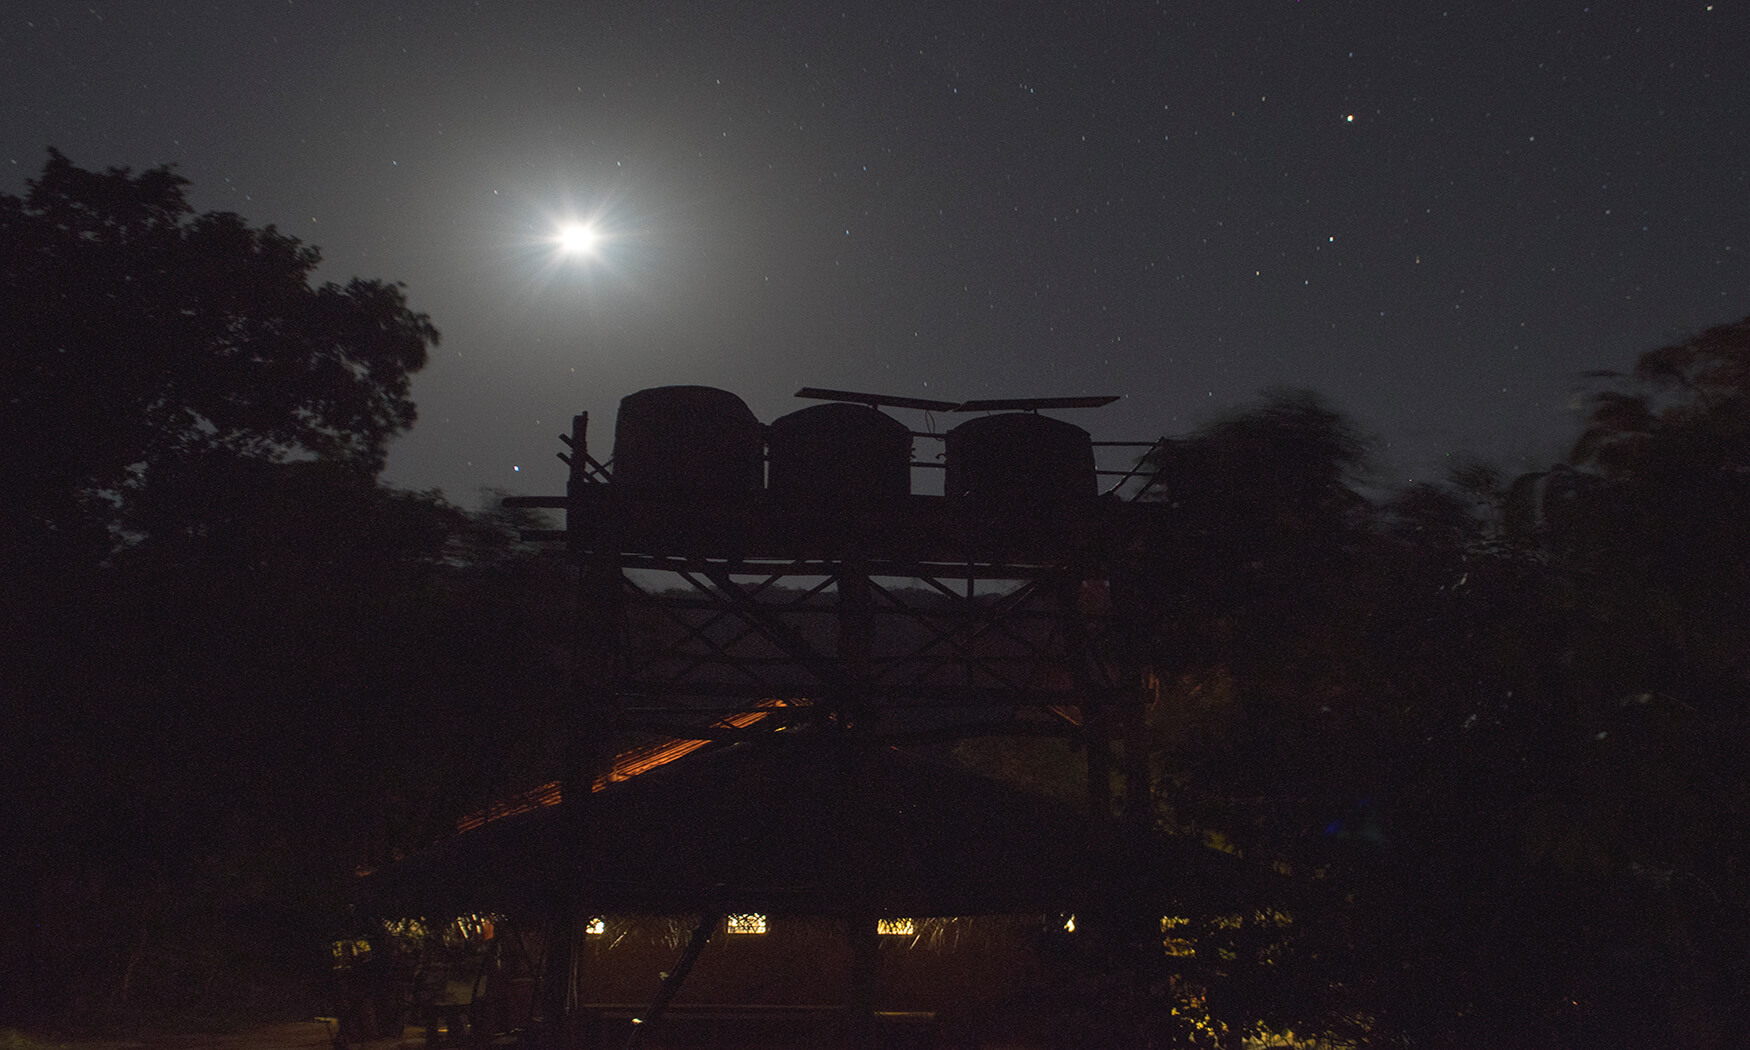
1439,218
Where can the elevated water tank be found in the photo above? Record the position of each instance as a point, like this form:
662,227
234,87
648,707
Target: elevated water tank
679,441
839,454
1019,459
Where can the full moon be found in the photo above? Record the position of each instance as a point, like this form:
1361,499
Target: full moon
577,239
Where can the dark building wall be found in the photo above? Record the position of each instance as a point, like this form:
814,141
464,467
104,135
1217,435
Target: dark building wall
965,970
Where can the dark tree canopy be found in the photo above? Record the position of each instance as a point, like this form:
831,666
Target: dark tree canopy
139,338
1689,409
203,582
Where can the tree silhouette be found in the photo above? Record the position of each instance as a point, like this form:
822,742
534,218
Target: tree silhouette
1257,595
1497,826
1647,542
140,340
1690,406
204,582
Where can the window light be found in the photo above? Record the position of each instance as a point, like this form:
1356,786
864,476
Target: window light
898,927
751,922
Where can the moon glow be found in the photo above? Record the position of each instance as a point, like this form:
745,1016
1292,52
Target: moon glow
577,239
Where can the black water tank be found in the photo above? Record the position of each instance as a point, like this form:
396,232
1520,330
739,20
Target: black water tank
1019,459
839,454
679,441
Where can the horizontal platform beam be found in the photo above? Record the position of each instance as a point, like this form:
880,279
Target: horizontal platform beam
908,696
607,520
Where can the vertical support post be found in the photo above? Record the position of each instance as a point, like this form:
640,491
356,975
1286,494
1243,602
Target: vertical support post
598,645
856,631
558,968
1138,774
595,658
593,627
672,981
865,963
1097,732
578,461
1065,588
856,628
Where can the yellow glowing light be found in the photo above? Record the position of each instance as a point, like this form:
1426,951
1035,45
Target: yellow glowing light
897,927
1069,924
751,922
596,926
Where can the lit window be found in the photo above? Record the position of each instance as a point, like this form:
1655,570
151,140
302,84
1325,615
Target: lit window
595,926
410,929
898,927
748,923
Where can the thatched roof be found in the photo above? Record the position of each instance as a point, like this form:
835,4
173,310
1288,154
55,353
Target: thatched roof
801,823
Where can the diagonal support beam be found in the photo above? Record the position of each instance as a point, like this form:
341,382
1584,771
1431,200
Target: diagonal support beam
776,631
671,983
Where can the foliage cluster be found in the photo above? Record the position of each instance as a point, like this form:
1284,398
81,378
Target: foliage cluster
1488,733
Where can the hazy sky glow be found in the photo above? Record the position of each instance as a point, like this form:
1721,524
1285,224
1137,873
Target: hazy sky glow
1437,218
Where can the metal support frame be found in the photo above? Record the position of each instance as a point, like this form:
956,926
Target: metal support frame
894,636
920,622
